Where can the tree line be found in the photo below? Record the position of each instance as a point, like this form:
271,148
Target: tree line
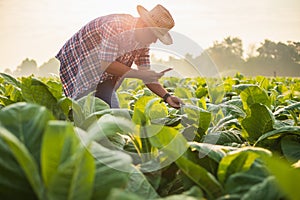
30,66
269,58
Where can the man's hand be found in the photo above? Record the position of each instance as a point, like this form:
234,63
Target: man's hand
174,101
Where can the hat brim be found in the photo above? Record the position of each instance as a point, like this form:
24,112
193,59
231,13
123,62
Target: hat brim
161,33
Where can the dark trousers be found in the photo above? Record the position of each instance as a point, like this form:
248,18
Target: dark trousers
106,91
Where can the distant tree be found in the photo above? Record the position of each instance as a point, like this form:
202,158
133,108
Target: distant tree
8,71
295,51
267,50
26,68
49,68
280,52
227,54
275,59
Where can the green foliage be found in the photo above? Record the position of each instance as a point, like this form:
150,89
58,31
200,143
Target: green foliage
25,160
33,90
290,148
239,161
27,122
254,94
259,121
285,180
61,164
66,169
148,150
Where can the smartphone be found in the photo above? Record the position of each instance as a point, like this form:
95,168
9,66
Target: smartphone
166,70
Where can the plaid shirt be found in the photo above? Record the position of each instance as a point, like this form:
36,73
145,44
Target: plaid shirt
108,38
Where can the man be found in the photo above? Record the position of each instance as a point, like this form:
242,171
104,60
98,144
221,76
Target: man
100,55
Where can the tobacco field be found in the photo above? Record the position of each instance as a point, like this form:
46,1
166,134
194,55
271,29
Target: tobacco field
236,140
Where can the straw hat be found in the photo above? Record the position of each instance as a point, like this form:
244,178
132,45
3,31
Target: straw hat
160,18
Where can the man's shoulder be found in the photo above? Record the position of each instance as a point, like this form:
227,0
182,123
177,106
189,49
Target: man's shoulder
116,22
117,18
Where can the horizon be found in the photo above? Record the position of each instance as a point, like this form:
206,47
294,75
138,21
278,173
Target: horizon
26,25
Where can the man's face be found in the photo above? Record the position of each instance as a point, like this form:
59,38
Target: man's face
145,36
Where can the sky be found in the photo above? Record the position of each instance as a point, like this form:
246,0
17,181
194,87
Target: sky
37,29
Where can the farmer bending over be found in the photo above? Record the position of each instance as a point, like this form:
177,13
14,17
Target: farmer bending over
100,55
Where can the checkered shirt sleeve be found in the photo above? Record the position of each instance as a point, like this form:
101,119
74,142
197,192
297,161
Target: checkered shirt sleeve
142,60
81,56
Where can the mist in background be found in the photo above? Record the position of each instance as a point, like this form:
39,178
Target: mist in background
33,31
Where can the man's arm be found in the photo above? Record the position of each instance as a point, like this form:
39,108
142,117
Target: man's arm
160,91
157,89
121,70
149,77
115,68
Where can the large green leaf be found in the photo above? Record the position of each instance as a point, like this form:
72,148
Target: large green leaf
84,109
65,103
229,137
74,179
173,144
68,168
201,177
293,106
290,149
90,120
118,112
110,125
112,168
12,177
124,98
289,112
183,93
267,189
239,161
139,110
168,140
35,91
201,92
214,152
231,109
254,94
241,87
215,89
11,80
139,185
259,121
90,104
27,122
108,130
224,123
196,116
155,110
286,130
59,144
12,93
239,183
217,114
26,162
55,87
206,155
285,175
236,103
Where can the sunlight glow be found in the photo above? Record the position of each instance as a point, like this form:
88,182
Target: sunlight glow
37,29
